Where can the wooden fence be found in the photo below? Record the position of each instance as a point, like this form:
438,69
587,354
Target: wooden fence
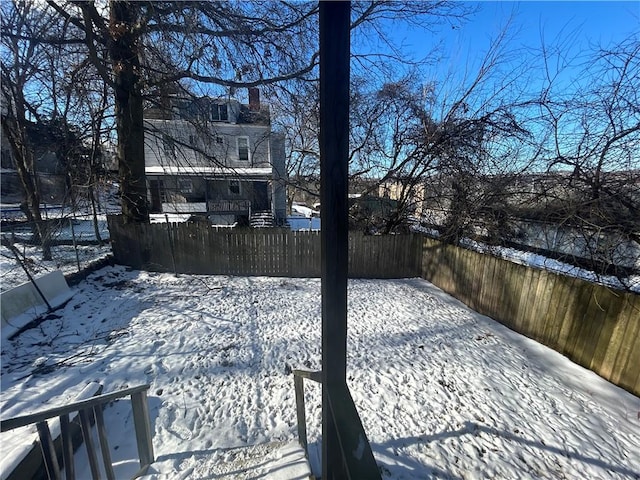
199,248
595,326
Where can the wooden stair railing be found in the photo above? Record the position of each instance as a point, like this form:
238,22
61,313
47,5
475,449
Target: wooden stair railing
85,409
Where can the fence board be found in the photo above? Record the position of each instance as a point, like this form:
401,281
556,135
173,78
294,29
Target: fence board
510,293
543,293
579,329
520,321
589,333
460,276
486,286
477,268
497,279
505,305
566,315
628,357
609,315
464,277
617,336
551,329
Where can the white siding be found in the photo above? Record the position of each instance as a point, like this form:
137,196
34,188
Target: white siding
224,153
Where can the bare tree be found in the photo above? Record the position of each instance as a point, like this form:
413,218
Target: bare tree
139,47
22,62
410,129
591,139
294,95
143,46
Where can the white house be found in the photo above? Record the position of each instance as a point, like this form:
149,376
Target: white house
215,157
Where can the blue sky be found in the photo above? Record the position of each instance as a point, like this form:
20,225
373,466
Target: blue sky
576,29
595,22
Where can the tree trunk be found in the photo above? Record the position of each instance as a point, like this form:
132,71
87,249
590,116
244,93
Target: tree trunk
128,111
94,213
458,211
14,124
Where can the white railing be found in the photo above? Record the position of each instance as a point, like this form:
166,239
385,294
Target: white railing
228,205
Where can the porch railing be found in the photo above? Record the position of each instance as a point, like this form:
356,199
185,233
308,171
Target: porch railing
357,458
86,409
228,206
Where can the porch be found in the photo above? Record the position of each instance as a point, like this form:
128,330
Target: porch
203,195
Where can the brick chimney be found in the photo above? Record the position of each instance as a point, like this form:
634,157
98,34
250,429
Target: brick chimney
254,99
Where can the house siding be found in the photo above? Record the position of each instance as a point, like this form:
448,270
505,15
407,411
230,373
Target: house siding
189,143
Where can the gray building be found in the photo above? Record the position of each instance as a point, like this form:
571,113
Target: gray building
215,157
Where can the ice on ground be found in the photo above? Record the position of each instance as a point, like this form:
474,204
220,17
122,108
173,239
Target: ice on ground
443,392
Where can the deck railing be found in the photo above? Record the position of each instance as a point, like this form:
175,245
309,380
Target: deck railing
357,458
85,410
228,206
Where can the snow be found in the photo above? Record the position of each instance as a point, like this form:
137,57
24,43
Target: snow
530,259
64,256
442,391
64,259
303,210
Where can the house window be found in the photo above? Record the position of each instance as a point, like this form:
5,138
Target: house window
192,140
185,185
234,187
219,112
169,146
243,149
219,140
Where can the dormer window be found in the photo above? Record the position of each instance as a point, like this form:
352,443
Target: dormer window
219,112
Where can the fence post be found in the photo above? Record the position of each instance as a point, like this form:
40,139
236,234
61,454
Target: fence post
173,255
104,443
88,440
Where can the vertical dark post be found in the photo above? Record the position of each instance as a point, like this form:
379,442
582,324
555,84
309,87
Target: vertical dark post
298,385
85,423
142,426
334,154
48,451
67,448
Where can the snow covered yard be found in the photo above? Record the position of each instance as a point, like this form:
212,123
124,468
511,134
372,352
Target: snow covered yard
64,259
443,391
